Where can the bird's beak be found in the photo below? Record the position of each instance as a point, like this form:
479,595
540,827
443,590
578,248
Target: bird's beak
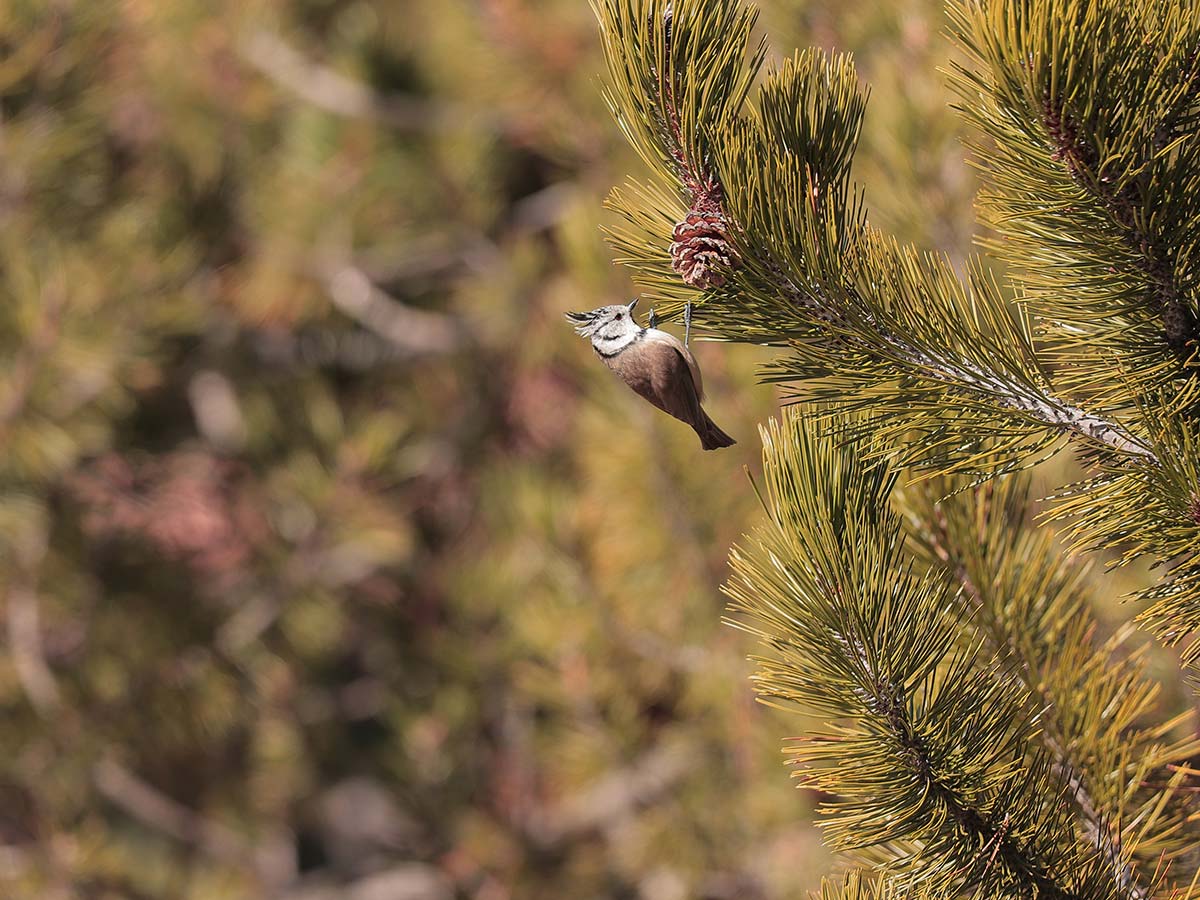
633,303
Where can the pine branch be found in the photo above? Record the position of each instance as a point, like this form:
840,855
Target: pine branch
1122,204
937,753
877,328
859,885
860,345
676,69
1007,392
1150,511
1097,703
1089,105
810,271
687,61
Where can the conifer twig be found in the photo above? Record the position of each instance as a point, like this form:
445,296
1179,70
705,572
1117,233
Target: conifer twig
1057,414
1004,642
934,762
1061,416
889,703
1121,205
1094,826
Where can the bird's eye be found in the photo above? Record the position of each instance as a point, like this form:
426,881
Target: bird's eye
620,315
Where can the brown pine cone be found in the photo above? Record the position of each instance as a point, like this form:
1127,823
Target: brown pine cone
701,248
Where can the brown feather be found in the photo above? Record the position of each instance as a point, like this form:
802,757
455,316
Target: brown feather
664,372
664,337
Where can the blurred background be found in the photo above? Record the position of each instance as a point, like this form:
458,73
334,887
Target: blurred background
334,564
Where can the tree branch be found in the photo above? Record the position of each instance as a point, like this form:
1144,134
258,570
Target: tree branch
25,642
1002,641
151,807
1156,261
1061,416
886,700
413,331
336,93
1056,414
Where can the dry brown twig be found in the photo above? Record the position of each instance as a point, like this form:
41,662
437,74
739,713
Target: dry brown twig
151,807
414,331
25,642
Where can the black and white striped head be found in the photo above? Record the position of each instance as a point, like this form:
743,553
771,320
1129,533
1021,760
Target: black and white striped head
608,323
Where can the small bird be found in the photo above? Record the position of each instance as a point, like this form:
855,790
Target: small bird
653,363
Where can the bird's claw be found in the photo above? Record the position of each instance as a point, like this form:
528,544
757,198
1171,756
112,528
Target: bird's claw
652,320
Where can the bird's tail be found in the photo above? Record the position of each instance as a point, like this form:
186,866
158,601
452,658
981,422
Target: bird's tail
712,437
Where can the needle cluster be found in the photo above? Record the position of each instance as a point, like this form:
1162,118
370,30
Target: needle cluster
1087,119
985,737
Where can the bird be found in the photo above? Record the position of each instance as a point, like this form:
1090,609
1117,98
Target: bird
653,363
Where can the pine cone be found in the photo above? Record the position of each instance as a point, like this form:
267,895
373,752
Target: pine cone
700,243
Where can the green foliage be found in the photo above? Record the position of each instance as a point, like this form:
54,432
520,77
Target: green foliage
925,751
985,737
979,740
1100,715
1087,342
854,886
309,543
675,72
1089,112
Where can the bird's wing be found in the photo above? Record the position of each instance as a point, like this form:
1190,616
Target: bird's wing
666,381
653,335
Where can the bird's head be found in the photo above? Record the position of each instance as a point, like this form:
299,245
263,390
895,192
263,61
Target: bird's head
606,323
